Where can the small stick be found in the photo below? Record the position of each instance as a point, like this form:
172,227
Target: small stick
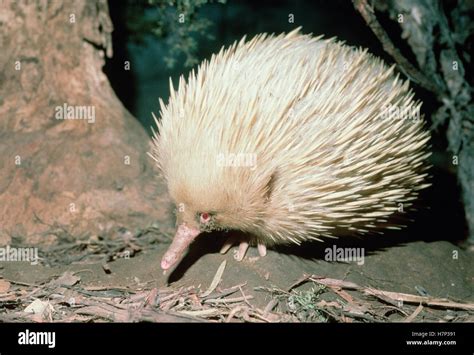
412,316
368,14
394,296
228,300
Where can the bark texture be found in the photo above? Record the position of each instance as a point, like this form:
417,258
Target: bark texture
75,174
440,37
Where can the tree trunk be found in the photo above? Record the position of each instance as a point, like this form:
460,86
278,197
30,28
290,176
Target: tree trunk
440,40
72,157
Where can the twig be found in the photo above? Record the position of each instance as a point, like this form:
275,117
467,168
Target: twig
270,306
368,14
427,301
224,293
393,296
229,300
334,283
246,298
25,283
412,316
201,313
233,312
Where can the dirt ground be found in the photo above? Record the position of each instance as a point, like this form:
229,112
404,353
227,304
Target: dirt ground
118,278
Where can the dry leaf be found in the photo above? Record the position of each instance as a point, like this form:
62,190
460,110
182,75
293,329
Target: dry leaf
38,307
216,280
67,279
4,286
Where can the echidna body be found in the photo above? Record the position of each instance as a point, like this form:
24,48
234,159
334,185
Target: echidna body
290,138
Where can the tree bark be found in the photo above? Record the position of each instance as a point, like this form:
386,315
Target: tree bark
444,74
81,175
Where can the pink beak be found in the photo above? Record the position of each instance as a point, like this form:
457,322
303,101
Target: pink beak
183,238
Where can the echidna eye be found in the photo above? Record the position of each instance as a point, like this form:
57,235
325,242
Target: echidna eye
205,217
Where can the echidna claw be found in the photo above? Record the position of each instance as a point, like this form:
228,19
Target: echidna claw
229,243
262,249
243,247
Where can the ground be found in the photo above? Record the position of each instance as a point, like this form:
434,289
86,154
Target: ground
118,278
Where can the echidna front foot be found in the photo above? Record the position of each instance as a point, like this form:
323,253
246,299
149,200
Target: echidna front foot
243,247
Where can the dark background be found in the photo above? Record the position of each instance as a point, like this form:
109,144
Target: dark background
441,216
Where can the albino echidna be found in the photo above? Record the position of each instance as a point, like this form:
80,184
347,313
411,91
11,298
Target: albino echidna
289,138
